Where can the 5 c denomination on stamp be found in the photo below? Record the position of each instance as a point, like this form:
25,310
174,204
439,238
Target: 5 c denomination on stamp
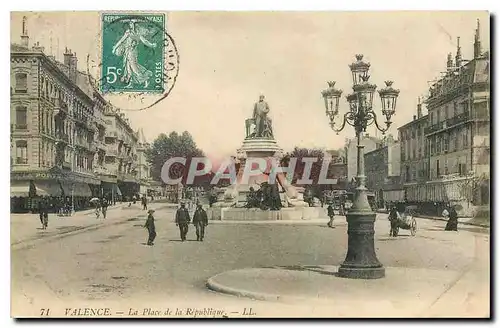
133,51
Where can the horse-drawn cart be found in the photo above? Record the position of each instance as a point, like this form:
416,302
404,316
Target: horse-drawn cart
404,221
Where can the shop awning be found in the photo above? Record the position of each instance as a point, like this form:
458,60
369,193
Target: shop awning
48,188
19,188
76,189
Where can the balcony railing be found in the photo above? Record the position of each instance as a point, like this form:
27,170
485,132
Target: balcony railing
21,127
448,123
21,160
62,136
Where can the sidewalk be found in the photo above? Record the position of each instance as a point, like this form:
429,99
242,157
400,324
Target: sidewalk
26,228
478,222
404,292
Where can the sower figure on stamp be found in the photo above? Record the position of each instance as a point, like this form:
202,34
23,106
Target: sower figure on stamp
128,48
150,225
182,220
200,221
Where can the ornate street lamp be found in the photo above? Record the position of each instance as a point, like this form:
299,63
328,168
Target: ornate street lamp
361,260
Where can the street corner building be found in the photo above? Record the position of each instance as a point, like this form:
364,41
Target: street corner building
445,154
67,142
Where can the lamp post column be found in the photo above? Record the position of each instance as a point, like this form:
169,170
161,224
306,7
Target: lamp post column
361,261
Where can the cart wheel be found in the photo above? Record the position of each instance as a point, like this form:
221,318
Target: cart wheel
413,229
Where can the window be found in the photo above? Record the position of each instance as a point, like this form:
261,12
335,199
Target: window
465,137
431,116
462,169
445,143
438,144
21,83
438,171
21,118
21,152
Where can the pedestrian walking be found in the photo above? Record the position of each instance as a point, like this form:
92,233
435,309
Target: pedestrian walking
104,207
98,209
452,224
43,213
150,225
331,214
200,221
182,220
144,202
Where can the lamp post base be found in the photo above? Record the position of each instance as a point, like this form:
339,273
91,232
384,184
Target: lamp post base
361,261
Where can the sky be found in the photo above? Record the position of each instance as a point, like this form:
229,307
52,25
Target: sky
228,58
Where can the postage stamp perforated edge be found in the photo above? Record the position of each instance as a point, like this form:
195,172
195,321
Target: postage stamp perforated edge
121,15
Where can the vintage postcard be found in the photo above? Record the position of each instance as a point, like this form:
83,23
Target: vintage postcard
250,164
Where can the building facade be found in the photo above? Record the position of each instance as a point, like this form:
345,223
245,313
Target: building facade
455,165
382,166
59,131
351,151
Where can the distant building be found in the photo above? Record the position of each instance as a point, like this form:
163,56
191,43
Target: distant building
382,169
414,157
143,167
351,151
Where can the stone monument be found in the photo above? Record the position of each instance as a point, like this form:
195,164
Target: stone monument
259,142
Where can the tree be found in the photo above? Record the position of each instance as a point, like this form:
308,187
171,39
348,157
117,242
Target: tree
300,154
472,189
174,145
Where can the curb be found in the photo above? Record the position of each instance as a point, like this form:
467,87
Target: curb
464,223
216,287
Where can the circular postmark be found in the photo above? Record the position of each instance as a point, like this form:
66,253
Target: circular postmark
134,62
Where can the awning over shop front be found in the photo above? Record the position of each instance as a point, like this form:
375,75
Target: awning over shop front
394,195
48,188
19,188
76,189
111,188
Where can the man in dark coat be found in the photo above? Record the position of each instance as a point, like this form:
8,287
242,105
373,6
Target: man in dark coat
452,224
200,221
182,220
43,210
331,214
144,202
104,206
150,225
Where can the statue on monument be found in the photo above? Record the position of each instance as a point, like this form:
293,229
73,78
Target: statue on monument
261,121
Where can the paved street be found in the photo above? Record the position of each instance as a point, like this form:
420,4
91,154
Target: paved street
112,265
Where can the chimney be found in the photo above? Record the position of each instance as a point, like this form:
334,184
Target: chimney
25,39
71,61
458,57
477,42
73,67
38,47
67,56
419,108
449,62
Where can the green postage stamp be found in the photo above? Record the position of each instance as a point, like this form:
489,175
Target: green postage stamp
133,53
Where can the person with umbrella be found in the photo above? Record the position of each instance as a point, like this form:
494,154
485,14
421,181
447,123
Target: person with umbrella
150,225
97,204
